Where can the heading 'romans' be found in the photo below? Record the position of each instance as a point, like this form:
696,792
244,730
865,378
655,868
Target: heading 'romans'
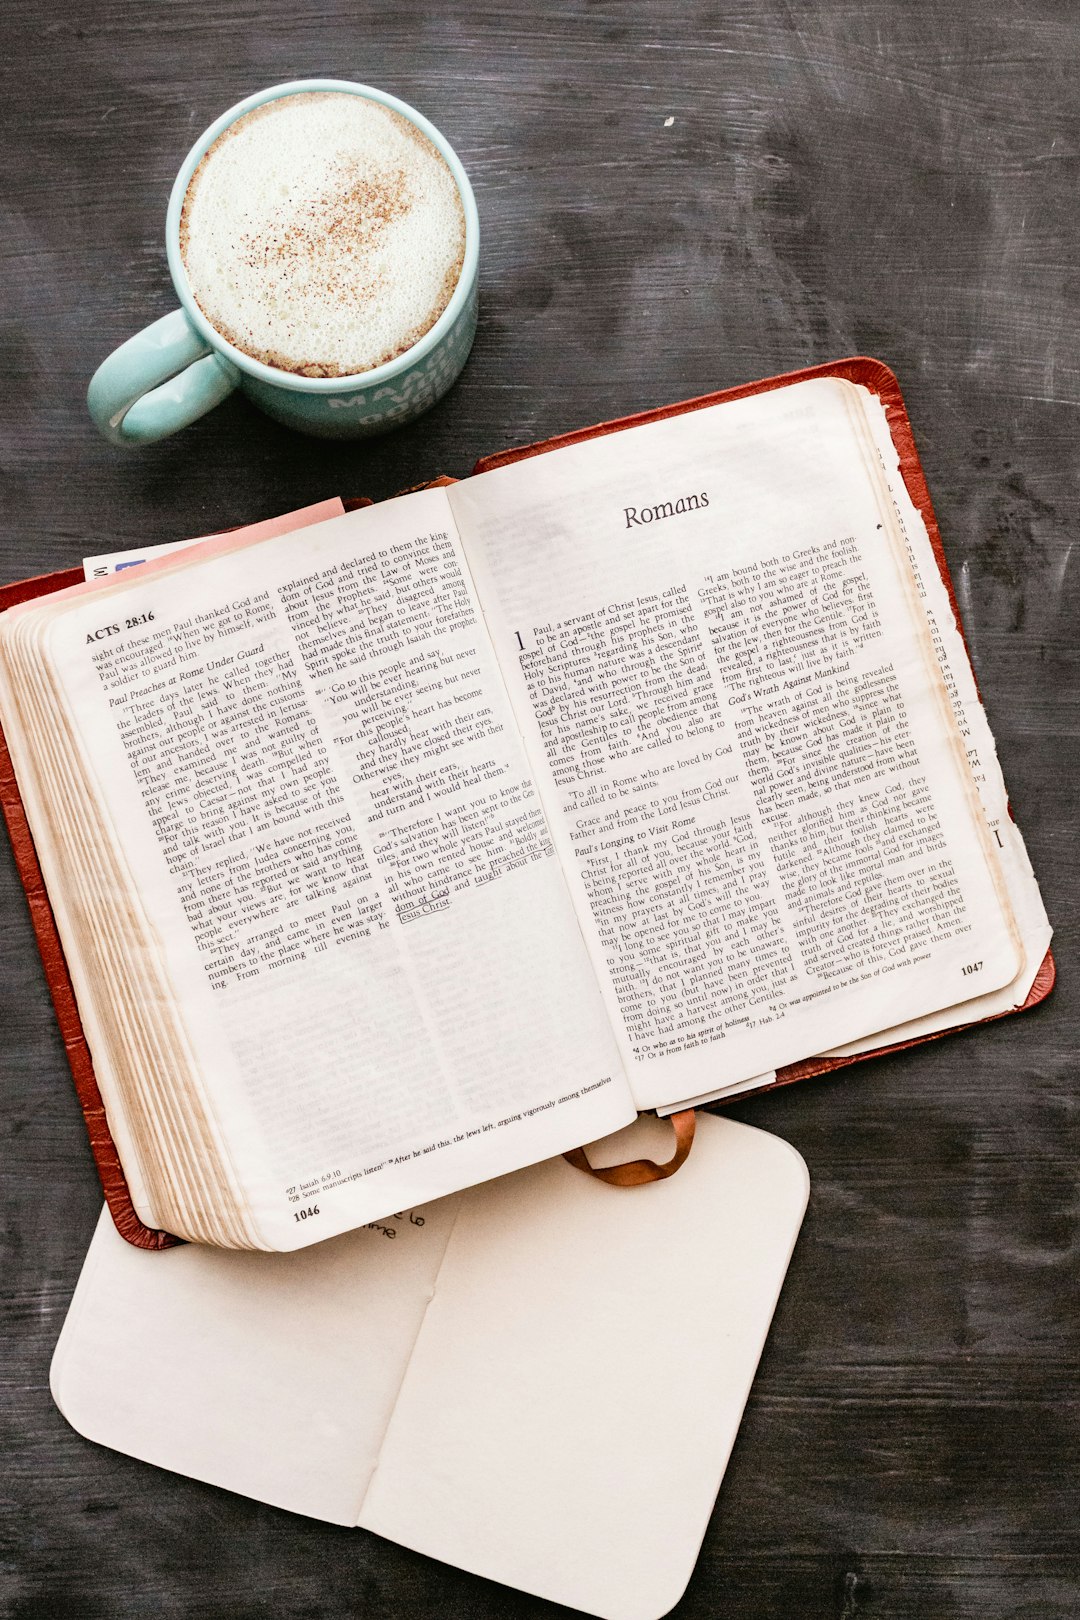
665,509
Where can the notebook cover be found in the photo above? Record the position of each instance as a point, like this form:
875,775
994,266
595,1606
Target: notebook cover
541,1386
871,374
876,376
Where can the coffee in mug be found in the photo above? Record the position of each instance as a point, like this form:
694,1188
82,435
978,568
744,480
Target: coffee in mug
322,234
322,238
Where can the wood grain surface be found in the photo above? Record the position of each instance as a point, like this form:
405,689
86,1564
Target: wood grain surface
674,197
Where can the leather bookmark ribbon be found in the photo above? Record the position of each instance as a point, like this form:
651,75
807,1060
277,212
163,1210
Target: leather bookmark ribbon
636,1172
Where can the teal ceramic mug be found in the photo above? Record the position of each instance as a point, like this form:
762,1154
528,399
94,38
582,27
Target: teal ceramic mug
181,367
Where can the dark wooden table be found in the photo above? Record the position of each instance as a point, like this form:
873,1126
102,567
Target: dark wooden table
675,197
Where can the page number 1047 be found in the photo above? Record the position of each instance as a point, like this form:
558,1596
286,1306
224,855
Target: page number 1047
972,967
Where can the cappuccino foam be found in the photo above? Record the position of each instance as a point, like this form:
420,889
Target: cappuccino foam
322,233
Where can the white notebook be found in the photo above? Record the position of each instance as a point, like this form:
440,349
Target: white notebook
539,1380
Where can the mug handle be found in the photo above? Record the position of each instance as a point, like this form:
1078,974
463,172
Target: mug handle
157,382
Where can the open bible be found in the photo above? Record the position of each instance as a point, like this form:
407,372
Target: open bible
409,848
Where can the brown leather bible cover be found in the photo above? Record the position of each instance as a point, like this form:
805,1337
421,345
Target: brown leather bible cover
872,374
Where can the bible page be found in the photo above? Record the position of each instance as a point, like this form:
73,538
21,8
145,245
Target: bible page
711,631
310,766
